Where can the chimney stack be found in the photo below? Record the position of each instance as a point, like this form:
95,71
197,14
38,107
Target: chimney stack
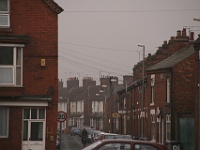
184,32
88,81
72,82
178,34
191,36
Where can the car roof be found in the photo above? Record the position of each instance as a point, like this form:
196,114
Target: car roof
104,133
105,141
132,141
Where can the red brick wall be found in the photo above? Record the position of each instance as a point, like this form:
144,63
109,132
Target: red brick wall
34,18
15,137
185,87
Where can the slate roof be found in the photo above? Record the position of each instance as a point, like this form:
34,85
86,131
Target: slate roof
78,93
174,59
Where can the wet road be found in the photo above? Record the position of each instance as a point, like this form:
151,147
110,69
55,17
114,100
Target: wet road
71,143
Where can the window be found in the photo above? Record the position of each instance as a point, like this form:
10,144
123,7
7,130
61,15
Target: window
117,124
168,89
144,146
4,116
11,65
168,128
34,116
153,125
4,13
95,106
115,146
101,124
79,106
152,88
72,107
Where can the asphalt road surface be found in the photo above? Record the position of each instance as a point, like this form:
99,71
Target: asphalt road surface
71,142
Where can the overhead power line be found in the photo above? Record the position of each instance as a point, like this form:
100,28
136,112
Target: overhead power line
84,54
86,67
96,47
131,11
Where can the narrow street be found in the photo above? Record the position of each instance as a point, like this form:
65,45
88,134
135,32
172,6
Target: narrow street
71,142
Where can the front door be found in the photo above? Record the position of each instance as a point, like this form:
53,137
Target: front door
186,133
33,129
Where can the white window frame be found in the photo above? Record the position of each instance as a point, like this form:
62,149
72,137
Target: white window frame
72,107
14,66
78,106
101,124
4,14
93,106
152,89
7,123
168,124
168,80
153,127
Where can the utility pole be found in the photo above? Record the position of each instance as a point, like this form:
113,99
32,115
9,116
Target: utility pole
111,106
142,103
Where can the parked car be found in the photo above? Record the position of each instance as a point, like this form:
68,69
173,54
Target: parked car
122,136
107,136
90,136
97,134
75,131
124,144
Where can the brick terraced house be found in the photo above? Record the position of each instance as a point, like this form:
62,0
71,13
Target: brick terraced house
28,74
168,112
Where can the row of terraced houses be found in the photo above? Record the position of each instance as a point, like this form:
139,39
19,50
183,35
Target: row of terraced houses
159,102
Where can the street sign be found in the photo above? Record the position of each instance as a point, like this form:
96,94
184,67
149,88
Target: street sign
115,115
61,116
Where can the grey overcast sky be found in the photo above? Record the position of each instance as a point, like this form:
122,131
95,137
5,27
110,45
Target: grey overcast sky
101,37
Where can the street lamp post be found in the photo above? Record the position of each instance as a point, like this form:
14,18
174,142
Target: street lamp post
142,102
111,79
104,106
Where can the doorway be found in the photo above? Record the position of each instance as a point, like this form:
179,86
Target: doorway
33,129
186,133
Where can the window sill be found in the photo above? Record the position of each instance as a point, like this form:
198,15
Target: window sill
11,91
4,29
